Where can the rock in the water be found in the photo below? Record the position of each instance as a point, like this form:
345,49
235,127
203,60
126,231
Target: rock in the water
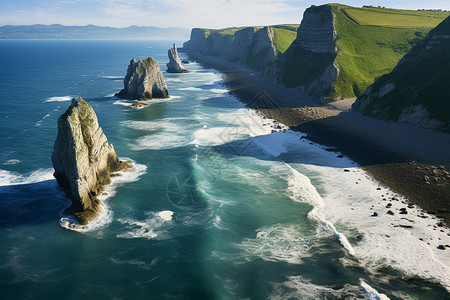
144,81
174,65
83,159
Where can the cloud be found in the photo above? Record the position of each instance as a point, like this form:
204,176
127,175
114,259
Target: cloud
164,13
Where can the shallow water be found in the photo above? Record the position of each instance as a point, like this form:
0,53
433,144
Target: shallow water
216,207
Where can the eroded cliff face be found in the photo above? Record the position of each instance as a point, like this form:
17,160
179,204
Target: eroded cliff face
309,63
144,81
250,46
83,159
174,65
261,52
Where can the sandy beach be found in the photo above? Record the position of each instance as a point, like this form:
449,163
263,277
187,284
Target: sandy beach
411,161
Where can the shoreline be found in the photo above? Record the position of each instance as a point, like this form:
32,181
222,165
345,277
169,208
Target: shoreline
413,162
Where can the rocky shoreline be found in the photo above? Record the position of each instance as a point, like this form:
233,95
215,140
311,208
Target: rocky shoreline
411,161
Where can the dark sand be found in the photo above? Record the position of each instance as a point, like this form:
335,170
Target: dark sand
411,161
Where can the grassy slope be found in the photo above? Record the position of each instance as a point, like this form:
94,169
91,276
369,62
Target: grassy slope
283,38
429,86
373,47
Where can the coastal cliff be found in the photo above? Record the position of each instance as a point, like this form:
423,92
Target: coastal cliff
255,47
144,81
338,50
308,64
83,159
421,100
174,65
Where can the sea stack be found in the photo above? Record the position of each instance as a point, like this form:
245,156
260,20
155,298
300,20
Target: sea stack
174,65
83,159
144,81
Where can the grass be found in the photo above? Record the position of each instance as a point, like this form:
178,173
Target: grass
428,87
369,50
283,38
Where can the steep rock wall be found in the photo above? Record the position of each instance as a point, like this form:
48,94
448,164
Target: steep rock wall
308,64
250,46
83,159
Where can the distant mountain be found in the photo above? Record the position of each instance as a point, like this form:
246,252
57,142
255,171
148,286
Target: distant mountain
57,31
417,90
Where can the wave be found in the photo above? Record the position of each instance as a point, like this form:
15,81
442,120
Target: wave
11,162
59,99
155,226
167,133
8,178
194,89
298,287
277,243
111,77
372,293
106,215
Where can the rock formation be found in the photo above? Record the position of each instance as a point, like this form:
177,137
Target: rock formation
174,65
83,159
314,48
144,81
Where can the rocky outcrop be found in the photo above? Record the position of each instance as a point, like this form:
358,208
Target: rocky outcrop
144,81
83,159
416,91
317,32
309,63
174,65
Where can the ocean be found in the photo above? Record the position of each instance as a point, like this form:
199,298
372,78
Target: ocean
217,205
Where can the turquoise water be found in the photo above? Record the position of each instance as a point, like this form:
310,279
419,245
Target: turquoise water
216,206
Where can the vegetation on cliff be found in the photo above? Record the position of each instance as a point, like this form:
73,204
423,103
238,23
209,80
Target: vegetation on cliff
417,90
370,42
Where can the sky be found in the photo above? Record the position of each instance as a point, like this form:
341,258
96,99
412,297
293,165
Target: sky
176,13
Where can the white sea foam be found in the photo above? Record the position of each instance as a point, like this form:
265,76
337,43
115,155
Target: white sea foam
155,226
111,77
13,178
166,215
11,162
106,215
39,123
278,243
298,287
219,91
167,133
59,99
129,103
194,89
371,293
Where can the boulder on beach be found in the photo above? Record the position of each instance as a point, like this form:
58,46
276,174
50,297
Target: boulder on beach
144,81
83,159
174,65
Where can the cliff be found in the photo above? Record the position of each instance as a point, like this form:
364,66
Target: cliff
340,50
174,65
337,52
255,47
144,81
417,90
308,63
83,159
